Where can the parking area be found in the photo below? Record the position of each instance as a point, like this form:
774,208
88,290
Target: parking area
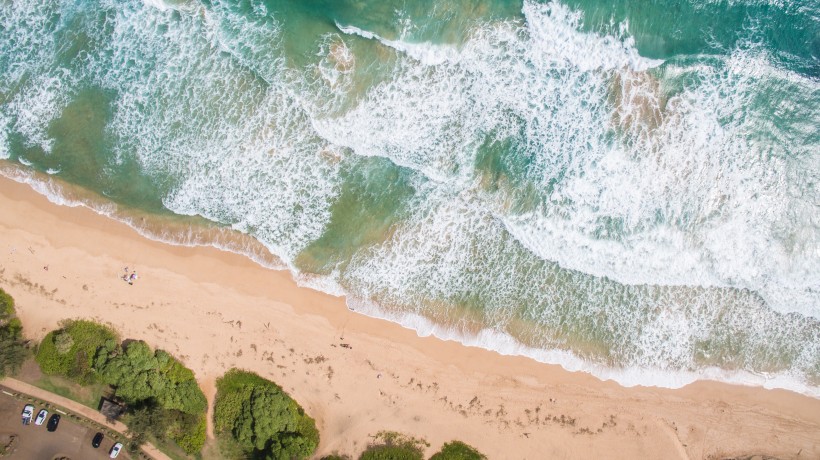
71,439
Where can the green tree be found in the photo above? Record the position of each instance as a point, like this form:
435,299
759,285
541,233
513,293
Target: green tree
164,399
145,421
189,433
457,450
70,351
138,374
12,347
168,404
262,419
389,445
149,420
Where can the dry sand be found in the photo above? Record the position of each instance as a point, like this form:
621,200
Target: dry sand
216,310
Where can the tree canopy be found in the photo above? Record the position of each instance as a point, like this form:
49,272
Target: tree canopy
262,419
164,399
70,351
12,348
457,450
148,419
138,374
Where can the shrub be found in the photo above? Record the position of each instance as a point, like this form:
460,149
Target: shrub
12,348
138,374
261,418
457,450
165,400
70,350
389,445
190,436
144,421
63,342
6,305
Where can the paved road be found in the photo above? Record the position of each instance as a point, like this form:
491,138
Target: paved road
36,443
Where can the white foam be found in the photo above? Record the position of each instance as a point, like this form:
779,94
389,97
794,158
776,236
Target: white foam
554,29
693,193
648,375
158,4
5,121
35,107
425,53
716,198
166,5
693,200
239,146
55,192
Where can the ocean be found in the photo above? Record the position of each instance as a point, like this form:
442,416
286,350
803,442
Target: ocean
628,188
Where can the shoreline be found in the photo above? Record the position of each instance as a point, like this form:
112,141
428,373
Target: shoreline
187,232
215,310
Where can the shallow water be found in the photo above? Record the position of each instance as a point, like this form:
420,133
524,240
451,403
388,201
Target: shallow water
626,188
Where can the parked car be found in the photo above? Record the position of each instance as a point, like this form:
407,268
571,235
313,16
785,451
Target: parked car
53,422
115,450
98,438
41,417
28,412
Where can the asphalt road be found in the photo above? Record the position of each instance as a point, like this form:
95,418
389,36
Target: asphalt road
35,443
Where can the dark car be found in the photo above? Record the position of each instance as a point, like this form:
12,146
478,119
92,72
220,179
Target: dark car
53,422
97,440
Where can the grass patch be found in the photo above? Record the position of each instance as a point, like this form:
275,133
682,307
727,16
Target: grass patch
86,395
172,450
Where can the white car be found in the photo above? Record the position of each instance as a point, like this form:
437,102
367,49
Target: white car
41,417
115,450
28,412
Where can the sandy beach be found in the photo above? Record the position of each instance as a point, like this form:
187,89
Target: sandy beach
357,375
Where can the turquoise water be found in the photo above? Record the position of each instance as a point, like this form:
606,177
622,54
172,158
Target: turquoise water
628,188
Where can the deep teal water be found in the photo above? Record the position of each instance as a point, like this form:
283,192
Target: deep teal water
624,187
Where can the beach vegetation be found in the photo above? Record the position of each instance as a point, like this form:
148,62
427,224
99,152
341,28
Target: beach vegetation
70,350
390,445
138,374
63,342
457,450
148,421
189,433
259,418
13,351
145,421
165,402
